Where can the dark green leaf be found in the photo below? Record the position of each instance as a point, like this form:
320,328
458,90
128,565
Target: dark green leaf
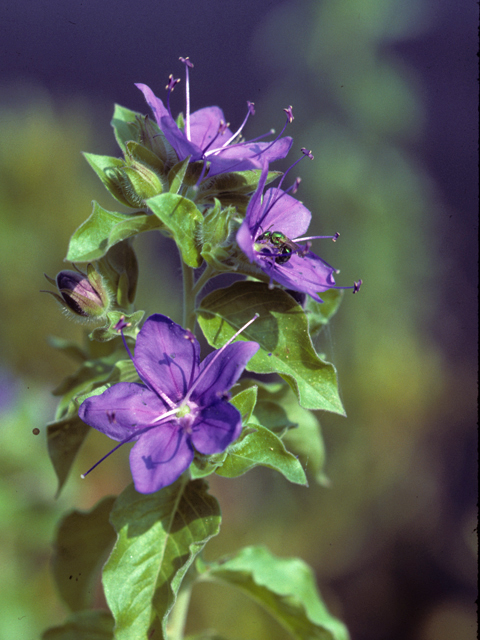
64,439
83,625
65,436
259,446
282,332
241,182
105,228
284,586
159,536
81,546
182,218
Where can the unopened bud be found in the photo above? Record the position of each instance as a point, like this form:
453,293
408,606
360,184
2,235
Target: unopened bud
139,183
83,294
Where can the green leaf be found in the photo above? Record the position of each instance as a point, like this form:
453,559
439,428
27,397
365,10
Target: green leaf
245,402
319,313
244,182
259,446
306,441
282,333
64,439
159,536
103,229
182,218
125,126
106,168
203,466
82,543
278,410
283,586
176,175
83,625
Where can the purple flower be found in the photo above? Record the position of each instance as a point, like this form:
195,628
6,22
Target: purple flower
181,405
269,237
206,135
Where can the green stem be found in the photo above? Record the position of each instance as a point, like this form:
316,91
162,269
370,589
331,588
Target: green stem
203,279
188,298
178,617
191,289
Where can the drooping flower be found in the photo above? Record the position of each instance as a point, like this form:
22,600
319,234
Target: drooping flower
270,235
180,406
206,135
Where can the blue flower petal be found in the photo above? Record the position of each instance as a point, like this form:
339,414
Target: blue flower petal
218,425
166,357
122,409
160,457
226,367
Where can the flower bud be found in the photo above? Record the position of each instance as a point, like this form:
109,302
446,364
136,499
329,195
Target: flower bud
83,294
138,183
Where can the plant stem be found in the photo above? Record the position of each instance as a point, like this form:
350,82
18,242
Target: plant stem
178,617
209,273
188,298
191,289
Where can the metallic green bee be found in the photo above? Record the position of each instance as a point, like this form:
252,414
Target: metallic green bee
279,241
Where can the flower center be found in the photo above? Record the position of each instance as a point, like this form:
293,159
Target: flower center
186,415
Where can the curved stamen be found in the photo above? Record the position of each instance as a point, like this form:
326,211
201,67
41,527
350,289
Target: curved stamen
250,111
241,144
306,154
334,238
170,87
221,130
218,352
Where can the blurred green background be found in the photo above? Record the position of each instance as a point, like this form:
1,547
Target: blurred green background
384,93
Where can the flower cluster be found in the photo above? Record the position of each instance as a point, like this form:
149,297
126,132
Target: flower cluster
206,136
180,408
